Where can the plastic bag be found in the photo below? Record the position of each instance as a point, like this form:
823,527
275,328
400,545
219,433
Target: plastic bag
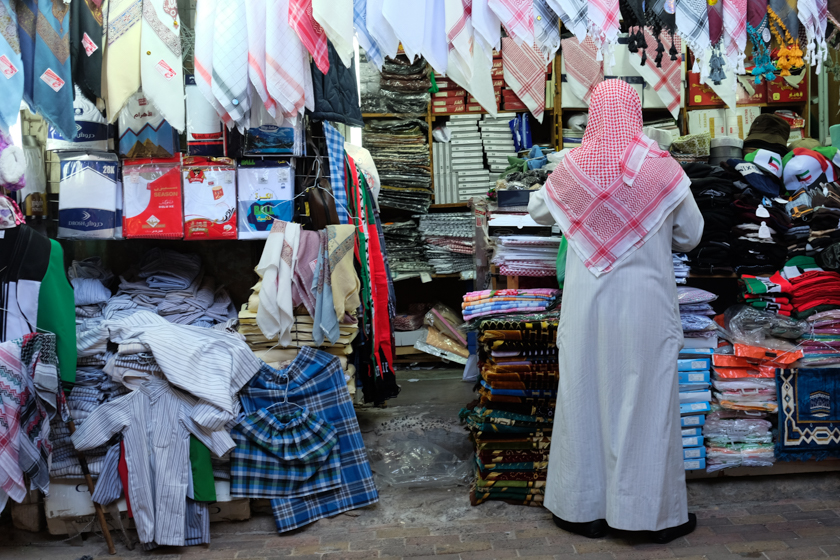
732,455
447,321
748,325
400,102
416,464
739,430
687,295
434,338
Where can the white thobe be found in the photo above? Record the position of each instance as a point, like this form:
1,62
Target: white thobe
616,448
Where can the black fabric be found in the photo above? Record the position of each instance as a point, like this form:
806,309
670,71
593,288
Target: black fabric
24,255
336,93
751,145
591,530
86,19
672,533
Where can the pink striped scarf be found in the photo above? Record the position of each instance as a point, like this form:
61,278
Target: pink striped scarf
518,18
735,33
524,71
665,81
583,69
603,25
311,34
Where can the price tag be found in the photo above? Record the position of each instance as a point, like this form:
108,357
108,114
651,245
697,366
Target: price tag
52,80
165,70
762,212
88,44
7,67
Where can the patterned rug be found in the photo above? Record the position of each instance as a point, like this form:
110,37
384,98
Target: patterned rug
809,414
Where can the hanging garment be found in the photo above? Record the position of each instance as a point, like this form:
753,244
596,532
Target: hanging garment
230,84
11,66
756,12
44,33
287,61
583,70
692,20
518,18
121,58
459,35
256,18
336,93
810,13
408,20
470,61
336,19
309,250
486,24
344,282
546,30
574,14
786,10
366,41
325,322
715,12
335,153
665,80
275,315
310,33
735,28
603,19
435,48
86,19
594,447
380,30
161,69
524,70
205,22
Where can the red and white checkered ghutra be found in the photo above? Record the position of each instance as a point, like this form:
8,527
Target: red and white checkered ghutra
618,187
524,70
665,81
311,34
518,18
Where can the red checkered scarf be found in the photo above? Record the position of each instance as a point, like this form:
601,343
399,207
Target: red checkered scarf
311,34
518,18
665,81
524,70
459,34
617,188
582,67
603,24
735,33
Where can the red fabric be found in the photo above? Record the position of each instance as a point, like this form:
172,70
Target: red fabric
122,468
524,72
517,16
582,65
311,34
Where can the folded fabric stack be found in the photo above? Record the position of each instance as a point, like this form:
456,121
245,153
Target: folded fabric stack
734,439
572,137
800,289
369,85
527,255
503,302
681,268
448,241
695,397
821,344
696,312
406,255
512,420
401,154
692,148
404,85
714,194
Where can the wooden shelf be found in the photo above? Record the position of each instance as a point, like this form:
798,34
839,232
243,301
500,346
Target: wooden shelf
481,113
780,467
452,205
761,105
393,115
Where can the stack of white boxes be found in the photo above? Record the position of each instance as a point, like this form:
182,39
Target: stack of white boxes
693,367
497,140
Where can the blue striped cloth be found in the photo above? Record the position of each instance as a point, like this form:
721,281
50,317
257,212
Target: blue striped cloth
335,151
372,51
316,382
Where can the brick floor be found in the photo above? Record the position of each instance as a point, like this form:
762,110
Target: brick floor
768,531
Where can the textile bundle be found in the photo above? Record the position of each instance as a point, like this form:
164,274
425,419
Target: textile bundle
401,153
405,247
448,241
503,302
527,255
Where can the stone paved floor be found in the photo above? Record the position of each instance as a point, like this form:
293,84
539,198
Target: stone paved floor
436,524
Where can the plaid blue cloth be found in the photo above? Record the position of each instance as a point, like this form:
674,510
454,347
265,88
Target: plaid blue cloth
316,382
335,151
374,54
281,455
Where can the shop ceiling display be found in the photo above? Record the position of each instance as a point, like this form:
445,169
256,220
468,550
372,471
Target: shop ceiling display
249,52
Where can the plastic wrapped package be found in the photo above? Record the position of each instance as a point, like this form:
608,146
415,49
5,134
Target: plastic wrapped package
748,325
209,198
33,196
153,199
447,321
738,430
275,137
434,343
731,455
91,128
417,464
401,102
266,193
412,320
206,133
143,131
688,295
87,200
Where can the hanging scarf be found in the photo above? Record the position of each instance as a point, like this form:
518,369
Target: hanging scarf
11,67
335,154
786,10
324,320
574,14
809,16
43,32
692,21
524,70
603,25
470,56
231,86
408,20
633,14
288,77
756,12
122,54
344,281
486,24
546,30
435,48
374,54
275,314
583,69
336,19
715,22
665,78
459,35
735,38
162,70
310,33
518,18
379,28
256,16
205,23
86,21
605,205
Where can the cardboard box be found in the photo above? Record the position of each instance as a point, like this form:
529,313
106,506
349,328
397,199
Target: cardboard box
474,108
701,94
750,93
449,109
449,93
712,121
448,101
788,89
739,121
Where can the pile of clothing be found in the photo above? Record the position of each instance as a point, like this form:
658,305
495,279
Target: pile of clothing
406,255
369,85
404,85
681,268
400,151
758,235
714,194
448,240
821,344
696,315
503,302
511,422
527,255
734,439
800,289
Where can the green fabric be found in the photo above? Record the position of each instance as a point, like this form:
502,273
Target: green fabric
57,312
204,487
515,164
434,88
561,262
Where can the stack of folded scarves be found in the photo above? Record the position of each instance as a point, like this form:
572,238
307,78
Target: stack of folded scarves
498,302
512,420
527,255
821,345
400,151
404,243
696,314
448,240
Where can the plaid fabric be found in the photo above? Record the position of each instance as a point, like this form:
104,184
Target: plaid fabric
665,81
367,42
603,19
335,152
311,34
735,37
284,455
574,14
693,25
524,70
518,18
546,30
583,69
316,381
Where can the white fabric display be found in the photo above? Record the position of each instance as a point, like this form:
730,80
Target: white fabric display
459,33
486,24
380,29
435,45
287,61
230,62
255,17
336,17
205,22
205,130
87,201
161,69
275,315
91,128
121,59
408,20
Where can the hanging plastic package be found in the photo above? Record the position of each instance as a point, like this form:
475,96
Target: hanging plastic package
275,137
143,131
266,190
87,200
33,196
209,198
206,134
91,129
153,199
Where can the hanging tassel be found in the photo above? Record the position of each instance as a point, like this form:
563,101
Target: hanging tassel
641,39
673,50
660,48
644,57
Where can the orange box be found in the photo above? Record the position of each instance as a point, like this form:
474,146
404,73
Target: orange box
781,91
702,94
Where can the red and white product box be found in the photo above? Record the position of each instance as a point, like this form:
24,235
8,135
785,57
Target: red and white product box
153,202
788,89
209,198
449,109
702,94
449,93
448,101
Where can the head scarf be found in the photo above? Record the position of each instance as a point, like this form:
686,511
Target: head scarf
574,14
546,30
618,187
692,21
664,77
86,47
735,38
603,19
518,18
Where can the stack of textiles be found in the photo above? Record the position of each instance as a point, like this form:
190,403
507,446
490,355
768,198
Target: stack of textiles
449,241
695,401
714,193
696,312
406,254
735,439
758,236
504,302
399,150
681,268
512,420
404,85
527,255
821,344
572,137
800,289
692,148
369,85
